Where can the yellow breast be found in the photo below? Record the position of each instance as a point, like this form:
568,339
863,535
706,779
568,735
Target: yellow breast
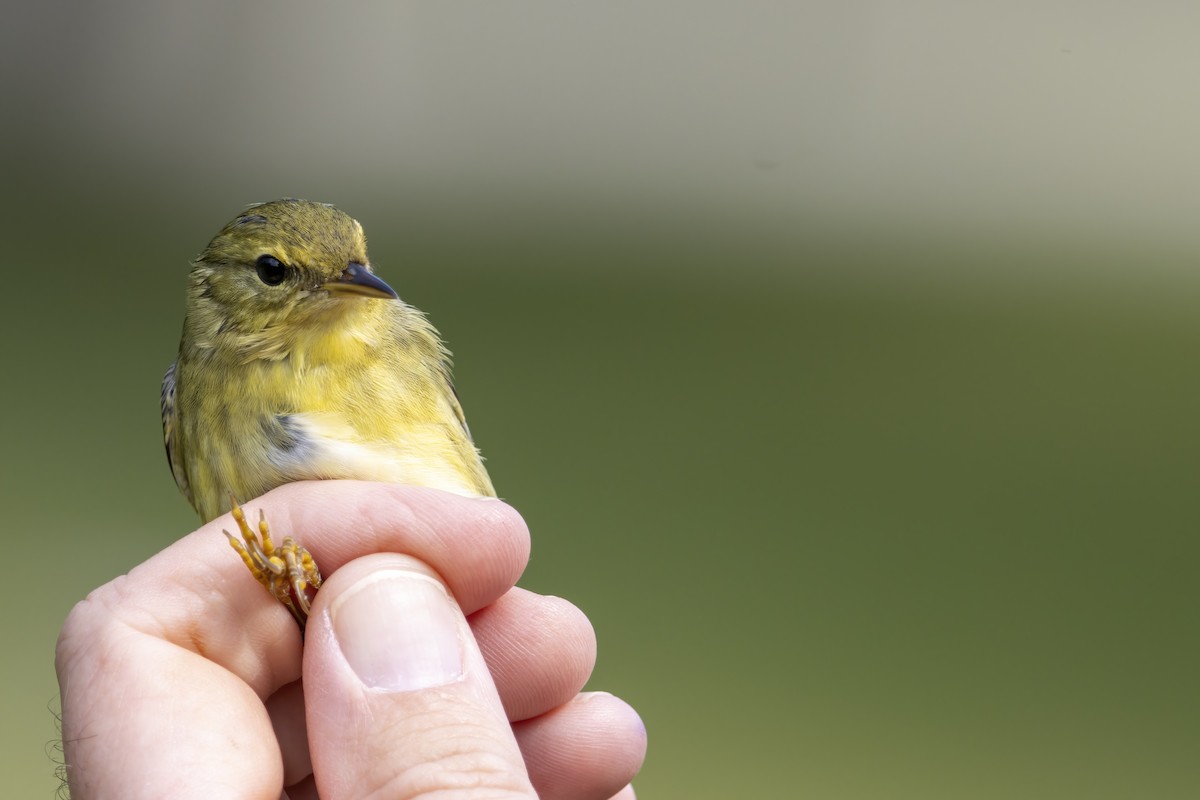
365,402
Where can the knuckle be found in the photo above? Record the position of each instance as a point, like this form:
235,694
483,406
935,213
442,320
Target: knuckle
456,761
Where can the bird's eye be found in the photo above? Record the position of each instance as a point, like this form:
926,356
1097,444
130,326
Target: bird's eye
271,270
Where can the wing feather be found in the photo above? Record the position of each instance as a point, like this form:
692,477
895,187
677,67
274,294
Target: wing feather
171,433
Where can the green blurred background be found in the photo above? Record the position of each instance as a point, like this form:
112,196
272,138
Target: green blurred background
841,356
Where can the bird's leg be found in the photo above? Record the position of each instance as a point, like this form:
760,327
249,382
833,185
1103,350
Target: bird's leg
287,572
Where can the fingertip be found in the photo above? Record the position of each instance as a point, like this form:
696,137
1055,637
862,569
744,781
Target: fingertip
540,649
577,632
490,539
487,542
499,521
596,743
610,712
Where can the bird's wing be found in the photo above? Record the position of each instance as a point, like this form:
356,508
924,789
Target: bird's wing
171,433
458,412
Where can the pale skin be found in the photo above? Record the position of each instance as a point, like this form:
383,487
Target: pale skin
183,678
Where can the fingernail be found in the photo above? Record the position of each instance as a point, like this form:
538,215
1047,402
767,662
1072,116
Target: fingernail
399,631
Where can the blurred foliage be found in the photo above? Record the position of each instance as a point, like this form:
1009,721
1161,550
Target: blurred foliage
839,537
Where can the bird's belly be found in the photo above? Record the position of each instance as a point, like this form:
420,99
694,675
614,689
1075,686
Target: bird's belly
295,447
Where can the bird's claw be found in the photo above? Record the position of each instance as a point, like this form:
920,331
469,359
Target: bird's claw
287,572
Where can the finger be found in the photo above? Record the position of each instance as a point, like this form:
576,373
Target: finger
197,594
479,545
399,700
286,709
540,650
589,748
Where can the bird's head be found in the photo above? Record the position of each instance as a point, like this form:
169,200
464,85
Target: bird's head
284,264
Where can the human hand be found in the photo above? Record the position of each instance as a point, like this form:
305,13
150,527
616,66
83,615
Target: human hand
182,678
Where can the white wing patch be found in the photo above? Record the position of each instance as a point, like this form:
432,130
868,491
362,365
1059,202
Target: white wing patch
324,446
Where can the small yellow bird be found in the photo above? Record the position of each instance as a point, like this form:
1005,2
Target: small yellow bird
298,363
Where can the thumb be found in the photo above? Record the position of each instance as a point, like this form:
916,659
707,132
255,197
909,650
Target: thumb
398,699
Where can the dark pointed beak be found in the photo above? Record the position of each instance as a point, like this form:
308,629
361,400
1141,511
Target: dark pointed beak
360,281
